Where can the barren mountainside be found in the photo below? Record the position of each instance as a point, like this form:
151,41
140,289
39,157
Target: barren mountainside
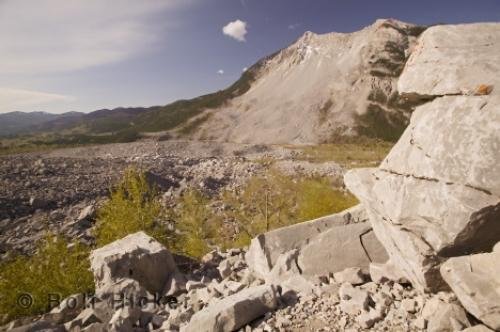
322,87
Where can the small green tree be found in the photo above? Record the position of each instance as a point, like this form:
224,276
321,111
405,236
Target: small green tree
265,203
196,224
55,268
133,206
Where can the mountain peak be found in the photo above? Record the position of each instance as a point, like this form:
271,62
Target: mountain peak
324,86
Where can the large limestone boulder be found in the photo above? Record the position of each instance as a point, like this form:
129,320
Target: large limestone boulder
421,222
453,59
437,194
266,248
136,257
475,280
287,274
235,311
339,248
453,139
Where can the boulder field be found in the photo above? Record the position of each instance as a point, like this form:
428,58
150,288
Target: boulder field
420,253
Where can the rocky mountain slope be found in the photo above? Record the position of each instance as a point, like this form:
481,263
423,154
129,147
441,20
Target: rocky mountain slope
322,87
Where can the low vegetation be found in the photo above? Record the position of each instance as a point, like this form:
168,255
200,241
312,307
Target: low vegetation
275,200
196,224
55,270
133,206
359,153
44,142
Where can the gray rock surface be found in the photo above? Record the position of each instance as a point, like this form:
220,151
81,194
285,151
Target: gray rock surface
339,248
453,59
266,248
352,275
453,139
477,328
138,257
234,311
432,198
443,316
475,280
385,272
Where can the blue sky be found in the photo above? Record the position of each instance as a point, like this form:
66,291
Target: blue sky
83,55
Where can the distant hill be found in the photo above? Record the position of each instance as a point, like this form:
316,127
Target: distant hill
122,121
14,123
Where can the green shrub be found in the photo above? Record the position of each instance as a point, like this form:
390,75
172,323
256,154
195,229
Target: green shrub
196,224
133,206
53,269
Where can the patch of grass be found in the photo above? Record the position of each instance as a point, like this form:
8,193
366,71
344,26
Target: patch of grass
54,269
133,206
266,202
317,198
363,153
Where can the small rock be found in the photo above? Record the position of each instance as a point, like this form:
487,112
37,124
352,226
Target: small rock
352,275
420,323
234,311
409,305
353,300
225,269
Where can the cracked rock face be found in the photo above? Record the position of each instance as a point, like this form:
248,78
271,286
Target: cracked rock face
453,59
421,222
455,140
437,194
475,280
347,231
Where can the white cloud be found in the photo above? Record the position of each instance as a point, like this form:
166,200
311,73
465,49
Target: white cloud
45,36
294,26
16,99
236,29
220,72
245,69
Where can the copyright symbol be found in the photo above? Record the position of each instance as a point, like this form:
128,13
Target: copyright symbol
25,301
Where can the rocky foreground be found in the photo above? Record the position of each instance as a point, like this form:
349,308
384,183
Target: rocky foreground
421,251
